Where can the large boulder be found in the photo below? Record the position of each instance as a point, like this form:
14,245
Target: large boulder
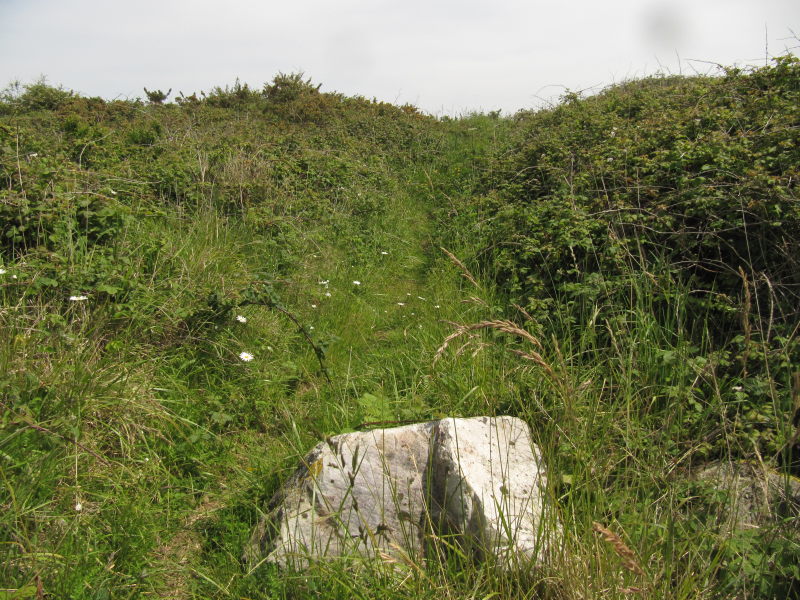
479,481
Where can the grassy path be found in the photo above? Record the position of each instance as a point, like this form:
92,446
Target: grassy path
379,304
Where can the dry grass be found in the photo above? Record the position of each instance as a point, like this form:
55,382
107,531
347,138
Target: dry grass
464,271
503,326
627,555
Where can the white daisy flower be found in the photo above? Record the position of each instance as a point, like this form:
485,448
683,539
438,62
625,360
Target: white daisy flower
78,298
241,318
78,507
328,294
246,356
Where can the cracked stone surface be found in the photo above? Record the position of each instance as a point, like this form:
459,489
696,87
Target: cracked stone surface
354,494
385,491
487,486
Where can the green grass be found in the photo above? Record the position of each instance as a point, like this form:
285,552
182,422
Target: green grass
137,450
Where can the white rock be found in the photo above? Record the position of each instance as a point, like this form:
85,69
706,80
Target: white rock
387,490
356,494
489,483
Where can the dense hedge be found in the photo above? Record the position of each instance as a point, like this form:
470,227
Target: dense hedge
695,174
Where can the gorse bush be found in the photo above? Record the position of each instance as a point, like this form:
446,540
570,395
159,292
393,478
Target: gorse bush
33,97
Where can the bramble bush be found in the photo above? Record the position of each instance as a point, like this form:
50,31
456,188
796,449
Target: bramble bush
651,187
698,174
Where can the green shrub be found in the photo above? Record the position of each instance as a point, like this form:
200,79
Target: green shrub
33,97
697,173
689,184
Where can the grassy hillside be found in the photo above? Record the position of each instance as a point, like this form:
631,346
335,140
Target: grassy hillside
192,294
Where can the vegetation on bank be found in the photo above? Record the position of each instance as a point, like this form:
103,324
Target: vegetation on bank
194,293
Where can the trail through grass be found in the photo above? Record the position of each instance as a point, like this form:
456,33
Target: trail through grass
378,303
172,275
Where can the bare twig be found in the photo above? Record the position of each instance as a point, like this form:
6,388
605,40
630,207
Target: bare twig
317,350
28,423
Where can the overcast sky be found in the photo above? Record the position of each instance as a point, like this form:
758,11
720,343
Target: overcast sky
445,56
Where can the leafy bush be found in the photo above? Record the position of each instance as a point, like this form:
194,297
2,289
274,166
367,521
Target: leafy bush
674,196
32,97
239,95
699,173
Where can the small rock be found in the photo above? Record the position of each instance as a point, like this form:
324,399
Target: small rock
755,495
385,491
488,486
355,494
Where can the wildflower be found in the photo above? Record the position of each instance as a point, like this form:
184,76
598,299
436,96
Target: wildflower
78,298
328,294
356,282
435,306
13,277
241,318
246,356
3,271
737,388
401,304
78,507
324,282
313,306
311,327
384,252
